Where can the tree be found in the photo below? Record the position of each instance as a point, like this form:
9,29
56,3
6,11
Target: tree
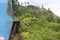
15,5
49,10
21,3
27,2
42,6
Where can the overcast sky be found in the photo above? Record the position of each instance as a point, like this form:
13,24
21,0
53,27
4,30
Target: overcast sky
54,5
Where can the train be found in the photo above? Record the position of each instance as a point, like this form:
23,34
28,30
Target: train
7,19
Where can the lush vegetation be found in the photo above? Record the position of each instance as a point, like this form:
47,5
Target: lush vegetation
37,23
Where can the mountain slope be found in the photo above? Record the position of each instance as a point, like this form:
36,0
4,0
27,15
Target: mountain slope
37,23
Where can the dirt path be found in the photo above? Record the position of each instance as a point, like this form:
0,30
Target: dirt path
16,37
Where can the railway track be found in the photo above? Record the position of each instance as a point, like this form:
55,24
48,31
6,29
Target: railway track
14,32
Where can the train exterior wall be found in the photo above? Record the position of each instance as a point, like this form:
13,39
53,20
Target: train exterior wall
5,21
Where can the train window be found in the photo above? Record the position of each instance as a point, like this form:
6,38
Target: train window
10,8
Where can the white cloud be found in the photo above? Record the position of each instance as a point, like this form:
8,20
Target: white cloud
23,1
54,6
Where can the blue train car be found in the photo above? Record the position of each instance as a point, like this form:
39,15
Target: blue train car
6,19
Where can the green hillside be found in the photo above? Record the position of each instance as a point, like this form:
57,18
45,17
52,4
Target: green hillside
37,23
